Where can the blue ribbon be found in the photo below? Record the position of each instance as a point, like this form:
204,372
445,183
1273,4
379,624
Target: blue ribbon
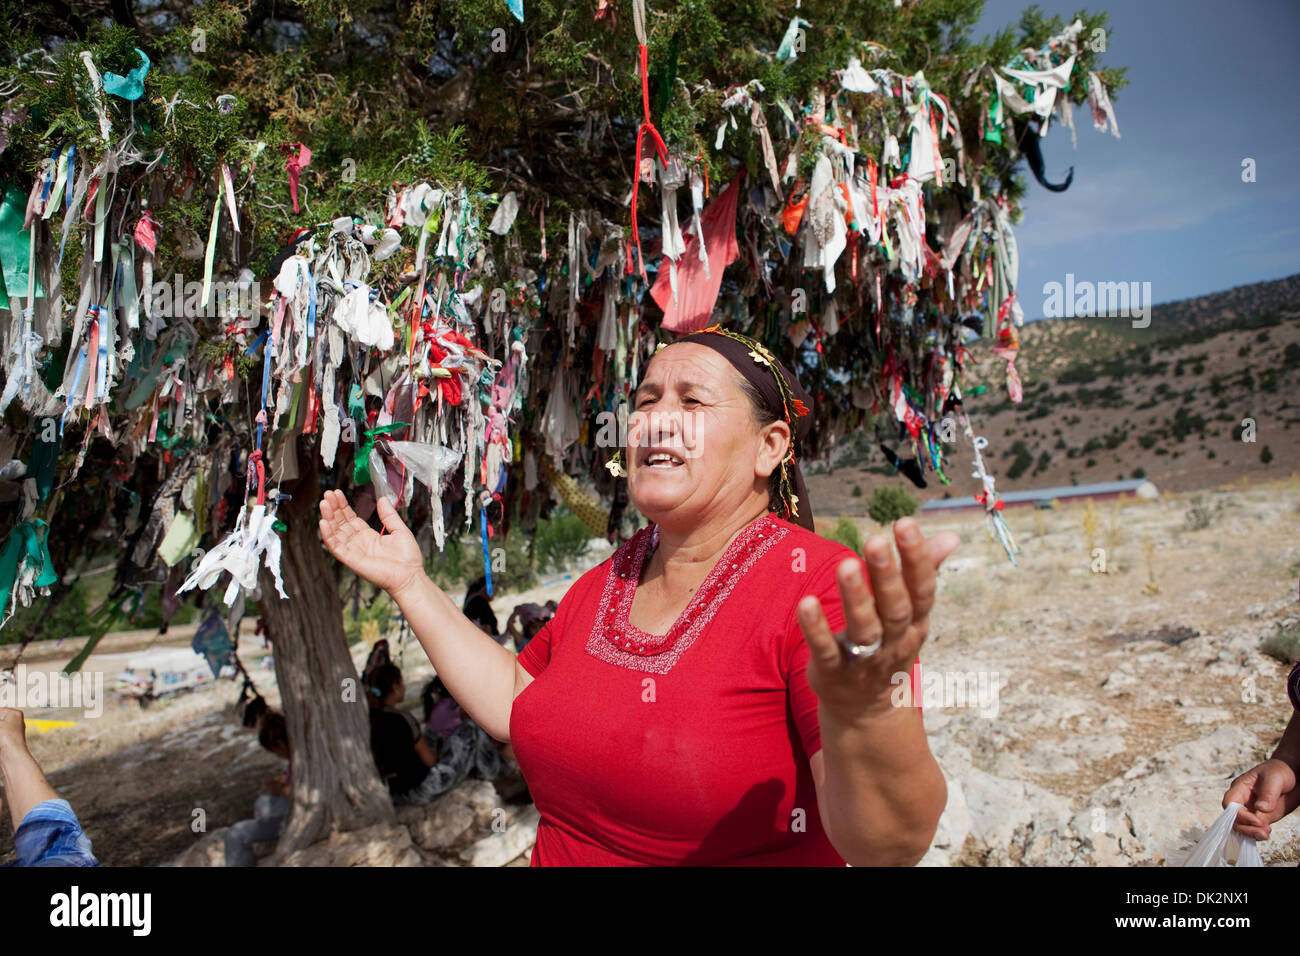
311,308
487,563
72,178
266,379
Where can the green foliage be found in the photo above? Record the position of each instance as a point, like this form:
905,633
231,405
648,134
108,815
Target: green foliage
1185,422
889,503
1283,644
67,618
1202,513
561,541
450,567
1024,460
387,92
377,608
74,612
846,533
367,81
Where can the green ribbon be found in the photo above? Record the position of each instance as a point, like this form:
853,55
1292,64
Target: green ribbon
361,458
45,458
356,403
14,246
26,543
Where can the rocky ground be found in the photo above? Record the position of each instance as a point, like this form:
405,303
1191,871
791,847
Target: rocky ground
1125,706
1115,707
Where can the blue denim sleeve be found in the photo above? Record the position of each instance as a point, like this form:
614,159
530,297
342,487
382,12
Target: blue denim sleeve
50,835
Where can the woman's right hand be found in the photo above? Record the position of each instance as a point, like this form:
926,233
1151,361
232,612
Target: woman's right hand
392,561
1266,793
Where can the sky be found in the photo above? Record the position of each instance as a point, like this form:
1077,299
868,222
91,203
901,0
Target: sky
1211,84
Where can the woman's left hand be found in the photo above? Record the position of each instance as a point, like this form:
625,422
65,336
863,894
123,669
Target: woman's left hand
894,610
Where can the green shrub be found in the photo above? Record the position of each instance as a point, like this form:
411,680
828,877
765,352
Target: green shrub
889,504
462,561
379,609
846,533
1284,644
560,542
68,618
1024,461
1202,514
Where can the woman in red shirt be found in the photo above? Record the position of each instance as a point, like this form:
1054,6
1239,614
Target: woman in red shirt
720,690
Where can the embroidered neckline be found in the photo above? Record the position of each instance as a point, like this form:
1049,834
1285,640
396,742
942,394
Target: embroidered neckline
616,640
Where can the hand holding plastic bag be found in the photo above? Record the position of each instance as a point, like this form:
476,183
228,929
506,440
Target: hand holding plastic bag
1268,791
1223,846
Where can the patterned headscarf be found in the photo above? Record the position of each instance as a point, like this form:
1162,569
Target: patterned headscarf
784,397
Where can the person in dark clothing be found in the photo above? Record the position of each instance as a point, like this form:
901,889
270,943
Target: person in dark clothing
379,656
478,607
402,754
270,809
420,767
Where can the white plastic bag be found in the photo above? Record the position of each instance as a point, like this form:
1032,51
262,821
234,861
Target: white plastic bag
1223,846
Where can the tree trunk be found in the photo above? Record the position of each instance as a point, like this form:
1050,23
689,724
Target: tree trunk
335,784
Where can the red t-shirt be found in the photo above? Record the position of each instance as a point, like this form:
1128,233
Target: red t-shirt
696,755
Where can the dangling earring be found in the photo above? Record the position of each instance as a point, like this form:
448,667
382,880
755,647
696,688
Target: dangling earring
787,492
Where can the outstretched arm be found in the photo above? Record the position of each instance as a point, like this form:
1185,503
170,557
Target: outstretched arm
481,674
879,789
25,785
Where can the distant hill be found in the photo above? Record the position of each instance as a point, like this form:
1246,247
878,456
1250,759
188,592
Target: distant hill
1103,401
1220,309
1049,346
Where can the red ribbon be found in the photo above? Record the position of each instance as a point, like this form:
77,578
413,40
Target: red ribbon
297,162
255,466
660,148
873,173
146,233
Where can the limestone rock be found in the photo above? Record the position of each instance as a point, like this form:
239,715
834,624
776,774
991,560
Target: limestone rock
379,845
460,814
208,850
498,849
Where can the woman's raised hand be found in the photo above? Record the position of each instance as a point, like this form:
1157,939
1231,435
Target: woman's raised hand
392,560
894,610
